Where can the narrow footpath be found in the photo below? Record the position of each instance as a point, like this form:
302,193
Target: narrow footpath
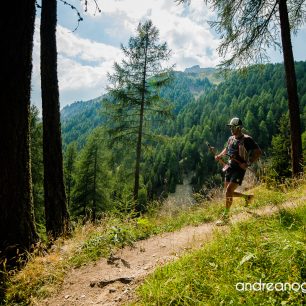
113,281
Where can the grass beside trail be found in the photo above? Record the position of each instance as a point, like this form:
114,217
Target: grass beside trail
43,275
225,272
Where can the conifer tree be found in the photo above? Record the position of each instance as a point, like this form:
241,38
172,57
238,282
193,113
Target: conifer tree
69,169
37,165
280,152
134,98
92,180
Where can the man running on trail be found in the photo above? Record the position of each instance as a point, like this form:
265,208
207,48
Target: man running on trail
242,151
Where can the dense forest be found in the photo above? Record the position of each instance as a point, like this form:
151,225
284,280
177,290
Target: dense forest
98,172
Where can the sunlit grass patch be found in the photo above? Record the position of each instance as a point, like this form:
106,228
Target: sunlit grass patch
271,250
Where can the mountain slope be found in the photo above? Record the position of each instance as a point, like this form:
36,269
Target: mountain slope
80,118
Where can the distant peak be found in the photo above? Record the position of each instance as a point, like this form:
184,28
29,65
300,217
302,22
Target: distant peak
195,68
198,69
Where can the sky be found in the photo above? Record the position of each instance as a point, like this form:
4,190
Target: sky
86,55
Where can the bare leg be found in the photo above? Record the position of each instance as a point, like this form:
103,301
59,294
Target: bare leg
230,193
230,188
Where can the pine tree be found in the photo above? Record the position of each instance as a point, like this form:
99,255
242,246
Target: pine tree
37,165
280,152
69,169
134,99
91,193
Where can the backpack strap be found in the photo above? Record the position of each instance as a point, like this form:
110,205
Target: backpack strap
243,153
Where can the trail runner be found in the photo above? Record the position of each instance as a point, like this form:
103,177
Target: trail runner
242,151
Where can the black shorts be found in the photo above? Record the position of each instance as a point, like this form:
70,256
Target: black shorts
235,175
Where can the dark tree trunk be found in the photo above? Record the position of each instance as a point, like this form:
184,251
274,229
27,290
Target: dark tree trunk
139,138
17,229
57,217
293,100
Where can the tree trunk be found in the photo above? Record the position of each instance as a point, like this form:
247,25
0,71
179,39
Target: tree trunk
139,139
293,100
57,217
17,229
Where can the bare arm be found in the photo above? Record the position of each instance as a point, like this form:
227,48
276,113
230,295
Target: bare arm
221,154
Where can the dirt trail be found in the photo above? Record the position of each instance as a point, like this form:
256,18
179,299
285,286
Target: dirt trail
183,194
112,282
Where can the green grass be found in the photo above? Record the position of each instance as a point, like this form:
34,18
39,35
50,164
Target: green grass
269,250
42,276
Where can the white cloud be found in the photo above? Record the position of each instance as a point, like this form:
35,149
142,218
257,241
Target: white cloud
85,56
82,67
184,28
83,62
70,45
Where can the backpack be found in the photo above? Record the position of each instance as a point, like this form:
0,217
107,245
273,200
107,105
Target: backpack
237,150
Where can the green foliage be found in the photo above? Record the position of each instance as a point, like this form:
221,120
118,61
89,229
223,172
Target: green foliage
69,169
123,202
133,94
37,166
279,166
119,232
304,146
142,199
91,193
79,120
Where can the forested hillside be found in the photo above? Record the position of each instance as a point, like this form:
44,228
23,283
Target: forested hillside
201,110
81,117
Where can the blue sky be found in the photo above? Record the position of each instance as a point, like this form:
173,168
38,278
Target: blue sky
87,54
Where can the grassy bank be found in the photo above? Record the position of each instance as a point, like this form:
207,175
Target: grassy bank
225,272
42,276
